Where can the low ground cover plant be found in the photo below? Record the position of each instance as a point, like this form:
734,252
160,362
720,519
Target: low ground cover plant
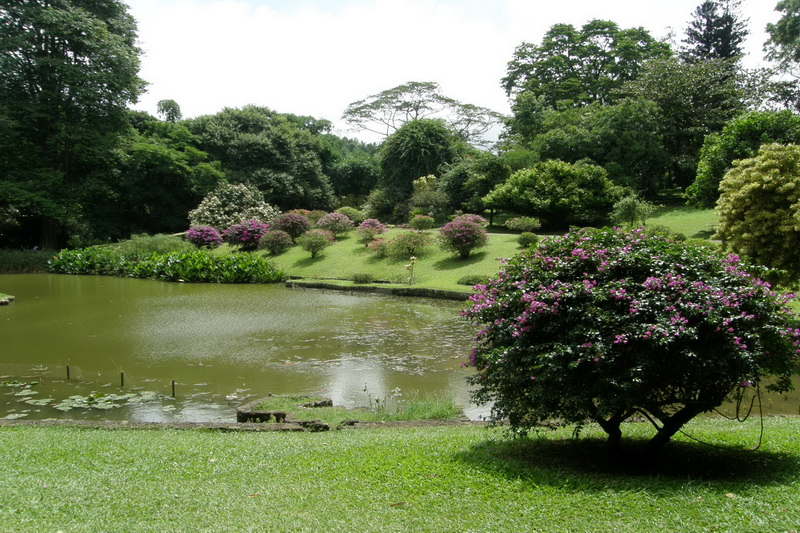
604,325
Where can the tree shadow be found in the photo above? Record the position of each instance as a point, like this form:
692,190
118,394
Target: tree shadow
455,262
308,261
706,234
586,464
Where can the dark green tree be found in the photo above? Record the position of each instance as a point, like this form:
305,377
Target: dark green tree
716,31
258,146
575,67
783,45
68,70
169,110
739,139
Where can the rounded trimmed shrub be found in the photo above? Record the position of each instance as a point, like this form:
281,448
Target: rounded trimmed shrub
315,240
204,236
604,325
462,235
527,239
368,230
421,222
336,223
379,247
276,241
246,235
293,223
409,243
356,215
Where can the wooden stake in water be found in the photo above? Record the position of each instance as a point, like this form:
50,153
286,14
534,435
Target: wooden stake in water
122,379
67,372
173,388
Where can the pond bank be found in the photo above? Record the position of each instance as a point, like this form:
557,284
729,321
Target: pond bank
346,286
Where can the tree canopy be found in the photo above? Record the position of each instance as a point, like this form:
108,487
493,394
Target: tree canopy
715,32
783,45
68,69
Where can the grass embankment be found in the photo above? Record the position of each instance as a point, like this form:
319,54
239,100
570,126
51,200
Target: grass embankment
411,479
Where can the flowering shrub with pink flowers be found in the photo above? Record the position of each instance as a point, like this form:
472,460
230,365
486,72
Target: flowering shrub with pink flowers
368,230
463,235
336,223
605,325
204,236
295,224
246,235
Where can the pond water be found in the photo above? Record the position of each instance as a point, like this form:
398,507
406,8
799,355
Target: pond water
124,341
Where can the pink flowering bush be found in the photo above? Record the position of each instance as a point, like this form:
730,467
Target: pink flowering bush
336,223
368,230
462,235
604,325
204,236
295,224
315,240
246,235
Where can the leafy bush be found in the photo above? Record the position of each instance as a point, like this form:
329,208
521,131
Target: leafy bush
276,241
472,279
421,222
196,266
632,211
462,236
379,247
527,239
759,209
315,240
475,219
363,278
293,223
230,204
523,224
313,216
246,235
409,243
24,261
368,230
558,193
204,237
604,325
144,244
336,223
356,215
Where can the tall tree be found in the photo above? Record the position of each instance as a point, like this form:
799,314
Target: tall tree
576,67
169,110
716,31
384,113
68,69
783,45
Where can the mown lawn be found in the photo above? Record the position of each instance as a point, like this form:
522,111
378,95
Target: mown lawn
692,222
438,479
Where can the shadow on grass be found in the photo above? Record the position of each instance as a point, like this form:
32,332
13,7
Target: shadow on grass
454,262
309,261
704,234
587,464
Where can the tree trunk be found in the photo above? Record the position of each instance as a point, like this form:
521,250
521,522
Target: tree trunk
670,426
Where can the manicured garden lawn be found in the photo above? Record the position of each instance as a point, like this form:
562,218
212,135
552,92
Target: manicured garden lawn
434,269
692,222
409,479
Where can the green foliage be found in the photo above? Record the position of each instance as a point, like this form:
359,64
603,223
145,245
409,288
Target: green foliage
472,279
716,31
421,222
315,240
363,278
784,36
356,215
418,148
230,204
523,224
281,155
143,245
428,198
575,67
527,239
411,243
558,193
199,266
604,325
759,209
336,223
169,110
276,241
469,179
23,261
739,139
632,211
69,71
294,224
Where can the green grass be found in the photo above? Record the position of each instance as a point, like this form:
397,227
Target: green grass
437,479
692,222
436,269
430,407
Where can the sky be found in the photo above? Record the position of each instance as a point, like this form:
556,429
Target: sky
314,57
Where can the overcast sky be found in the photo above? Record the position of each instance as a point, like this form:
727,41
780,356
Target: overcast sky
314,57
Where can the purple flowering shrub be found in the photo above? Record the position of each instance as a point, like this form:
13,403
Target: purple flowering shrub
336,223
315,240
246,235
276,241
295,224
462,235
204,236
368,230
603,325
475,219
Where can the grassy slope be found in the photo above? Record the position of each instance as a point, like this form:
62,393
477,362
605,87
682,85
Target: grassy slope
416,479
697,223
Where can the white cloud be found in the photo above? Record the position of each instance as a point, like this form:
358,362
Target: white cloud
313,58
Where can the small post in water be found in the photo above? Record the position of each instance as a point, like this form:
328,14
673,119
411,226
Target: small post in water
173,388
67,372
122,379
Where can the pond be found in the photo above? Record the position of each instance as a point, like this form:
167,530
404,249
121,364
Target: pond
104,348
